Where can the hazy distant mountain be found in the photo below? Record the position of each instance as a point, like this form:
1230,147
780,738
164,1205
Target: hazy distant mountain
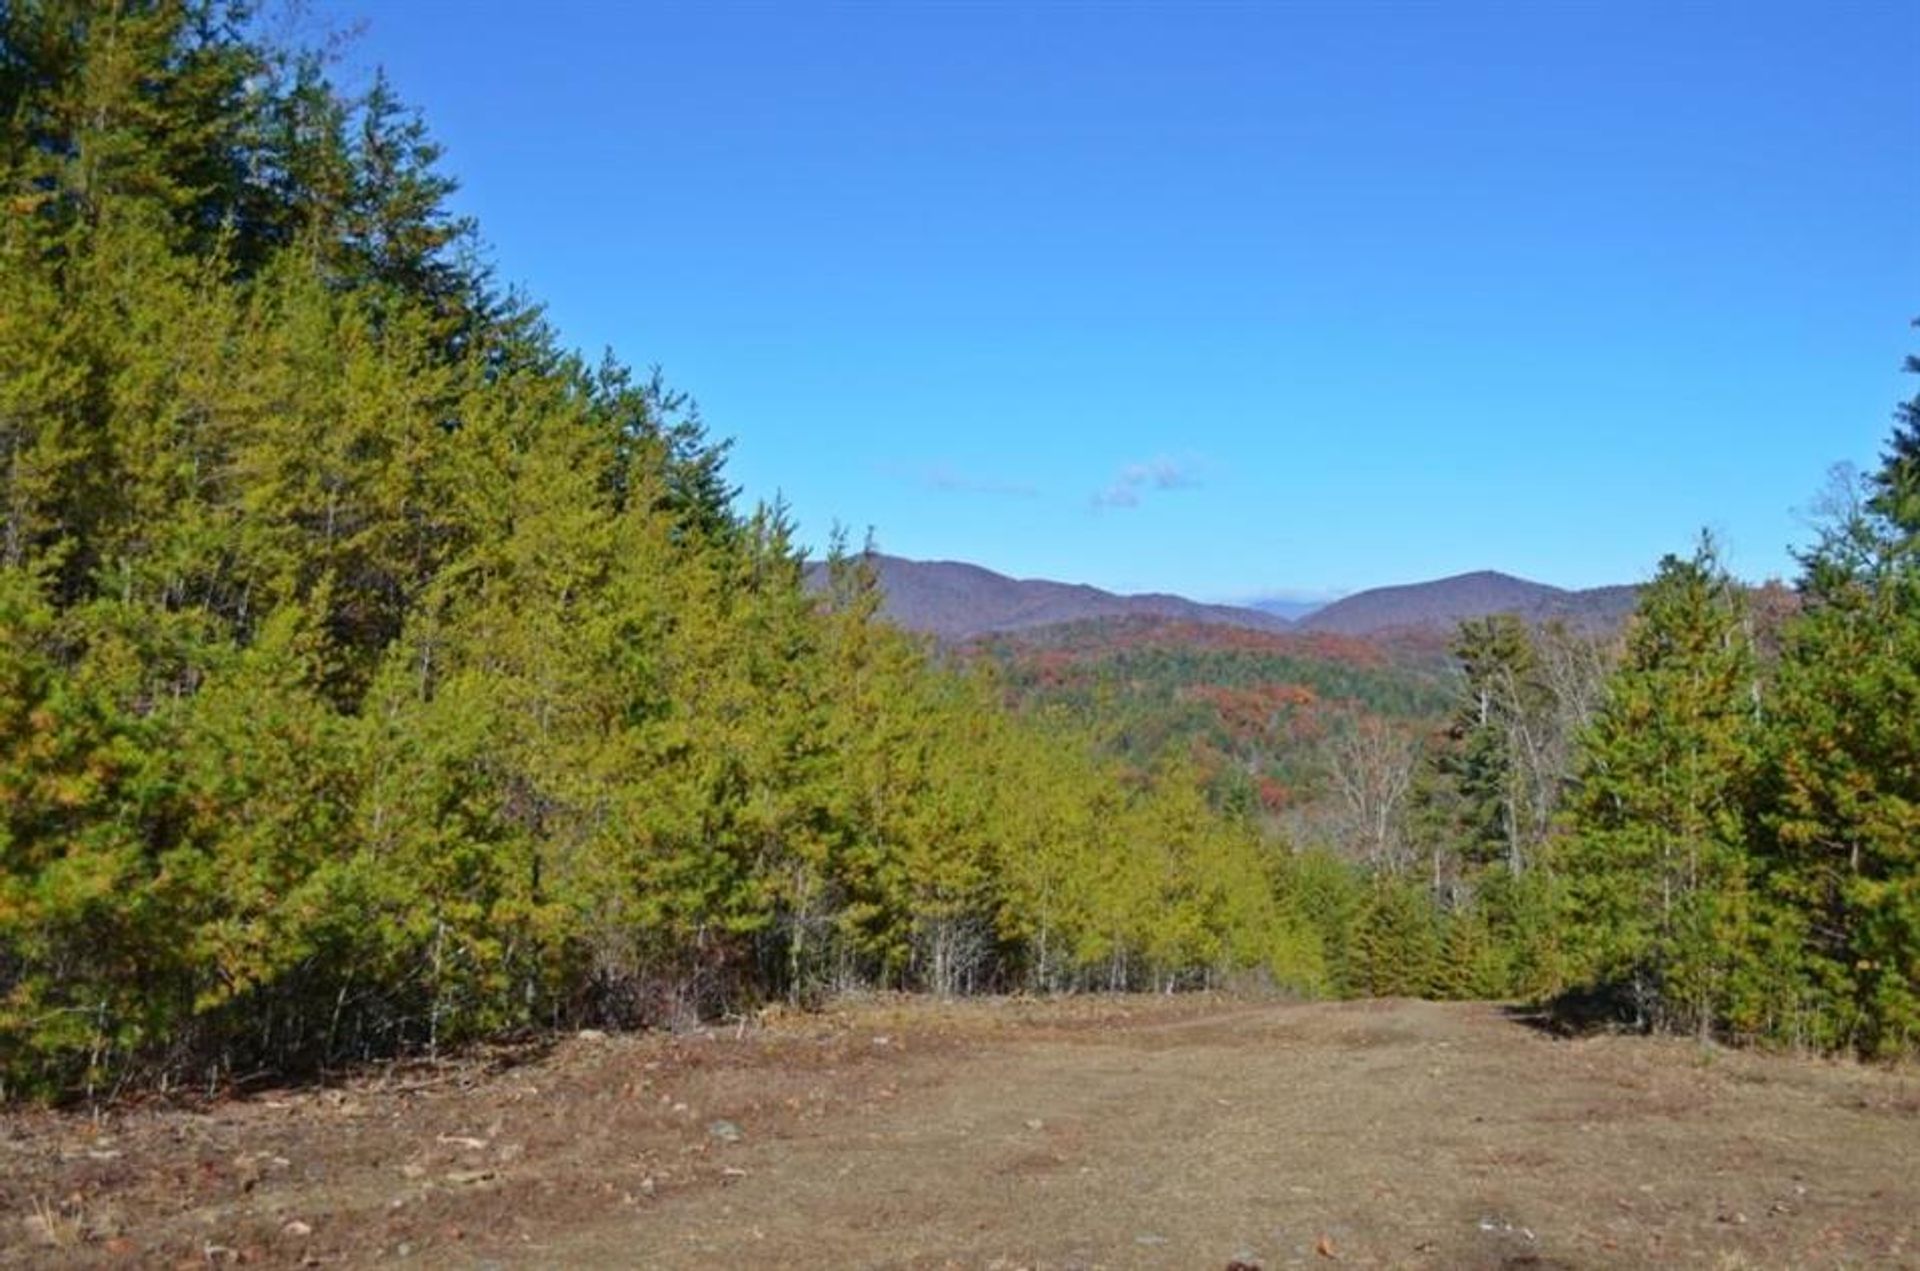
955,601
1445,602
1291,610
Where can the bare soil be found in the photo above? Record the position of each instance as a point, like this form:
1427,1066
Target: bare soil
1092,1132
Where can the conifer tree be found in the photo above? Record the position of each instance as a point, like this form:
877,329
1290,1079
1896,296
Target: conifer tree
1396,946
1659,881
376,675
1843,852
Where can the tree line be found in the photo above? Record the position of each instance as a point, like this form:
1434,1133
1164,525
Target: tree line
1710,825
377,675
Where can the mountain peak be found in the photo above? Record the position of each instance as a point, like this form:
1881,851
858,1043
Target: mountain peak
1446,602
955,600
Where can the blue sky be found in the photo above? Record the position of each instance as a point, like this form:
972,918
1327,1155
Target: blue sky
1225,300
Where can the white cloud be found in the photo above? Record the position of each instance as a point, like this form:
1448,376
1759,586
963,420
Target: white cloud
1137,479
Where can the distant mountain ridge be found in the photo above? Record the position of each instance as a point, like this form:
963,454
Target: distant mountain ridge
955,601
1446,602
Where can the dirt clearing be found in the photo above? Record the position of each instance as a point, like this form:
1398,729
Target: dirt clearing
1186,1132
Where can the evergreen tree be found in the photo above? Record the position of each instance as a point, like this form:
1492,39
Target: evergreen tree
1659,881
1843,810
1491,788
1396,943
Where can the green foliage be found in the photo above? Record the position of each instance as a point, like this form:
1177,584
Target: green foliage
1659,882
1746,846
1842,849
1472,963
1495,784
1395,950
1716,826
1332,894
375,675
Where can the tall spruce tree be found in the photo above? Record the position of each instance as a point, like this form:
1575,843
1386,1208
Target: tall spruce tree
1843,852
1656,862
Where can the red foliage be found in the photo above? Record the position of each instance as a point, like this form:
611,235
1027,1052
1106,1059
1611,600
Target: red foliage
1274,795
1256,710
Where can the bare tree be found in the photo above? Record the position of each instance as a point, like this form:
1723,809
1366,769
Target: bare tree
1371,763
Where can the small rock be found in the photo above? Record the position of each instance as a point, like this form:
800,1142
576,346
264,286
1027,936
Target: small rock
1036,1124
297,1229
725,1132
413,1170
248,1171
591,1035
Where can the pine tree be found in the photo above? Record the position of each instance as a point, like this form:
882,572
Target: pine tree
1843,809
1396,948
376,675
1657,861
1472,965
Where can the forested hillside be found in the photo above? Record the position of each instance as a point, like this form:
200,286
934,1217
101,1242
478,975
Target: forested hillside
1260,713
1709,823
1444,603
375,674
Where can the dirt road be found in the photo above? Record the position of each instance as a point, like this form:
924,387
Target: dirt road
1088,1133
